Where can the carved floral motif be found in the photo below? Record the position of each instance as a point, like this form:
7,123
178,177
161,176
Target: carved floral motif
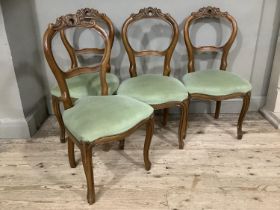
148,12
84,17
209,12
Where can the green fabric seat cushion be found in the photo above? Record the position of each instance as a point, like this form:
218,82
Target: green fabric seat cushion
215,83
153,89
88,85
94,117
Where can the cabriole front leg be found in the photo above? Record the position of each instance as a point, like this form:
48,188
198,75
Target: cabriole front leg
71,152
86,152
148,139
187,103
245,107
183,124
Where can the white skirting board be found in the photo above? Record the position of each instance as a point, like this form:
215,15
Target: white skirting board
37,116
272,117
14,128
25,127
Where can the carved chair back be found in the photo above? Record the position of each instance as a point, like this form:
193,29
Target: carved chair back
150,13
86,19
209,12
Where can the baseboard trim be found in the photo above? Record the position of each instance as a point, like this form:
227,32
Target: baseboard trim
14,128
38,115
272,117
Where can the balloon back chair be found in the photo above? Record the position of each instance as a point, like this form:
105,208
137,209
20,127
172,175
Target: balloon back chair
216,85
88,84
160,91
95,120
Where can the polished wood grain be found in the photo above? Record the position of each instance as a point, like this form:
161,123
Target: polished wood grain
213,171
75,70
155,13
210,13
85,18
150,13
57,113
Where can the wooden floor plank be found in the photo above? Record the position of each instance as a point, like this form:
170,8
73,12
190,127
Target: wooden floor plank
214,171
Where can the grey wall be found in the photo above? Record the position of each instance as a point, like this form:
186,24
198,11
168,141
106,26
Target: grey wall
250,57
12,120
23,40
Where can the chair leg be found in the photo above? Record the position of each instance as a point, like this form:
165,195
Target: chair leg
148,139
245,107
86,151
57,113
187,118
71,153
165,116
183,123
121,144
218,108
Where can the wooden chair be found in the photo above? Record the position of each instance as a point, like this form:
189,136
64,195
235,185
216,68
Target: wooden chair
160,91
88,84
95,120
216,85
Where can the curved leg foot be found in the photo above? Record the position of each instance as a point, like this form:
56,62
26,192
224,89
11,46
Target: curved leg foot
121,144
218,108
245,107
148,139
86,151
183,124
71,153
57,113
164,117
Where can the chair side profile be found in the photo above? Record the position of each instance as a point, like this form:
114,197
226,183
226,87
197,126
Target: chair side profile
218,85
73,54
95,120
160,91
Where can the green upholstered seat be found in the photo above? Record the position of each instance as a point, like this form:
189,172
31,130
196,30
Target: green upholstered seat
94,117
88,85
215,83
153,89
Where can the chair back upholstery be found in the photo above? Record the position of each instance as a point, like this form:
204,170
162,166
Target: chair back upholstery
86,19
209,12
148,13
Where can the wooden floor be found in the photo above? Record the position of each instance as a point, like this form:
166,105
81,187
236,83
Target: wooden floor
214,171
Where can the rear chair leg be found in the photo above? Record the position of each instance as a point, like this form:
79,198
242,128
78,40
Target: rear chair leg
86,151
245,107
57,113
148,139
218,108
164,117
121,144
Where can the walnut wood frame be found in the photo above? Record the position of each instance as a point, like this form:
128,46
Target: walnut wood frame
94,15
83,18
155,13
213,12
